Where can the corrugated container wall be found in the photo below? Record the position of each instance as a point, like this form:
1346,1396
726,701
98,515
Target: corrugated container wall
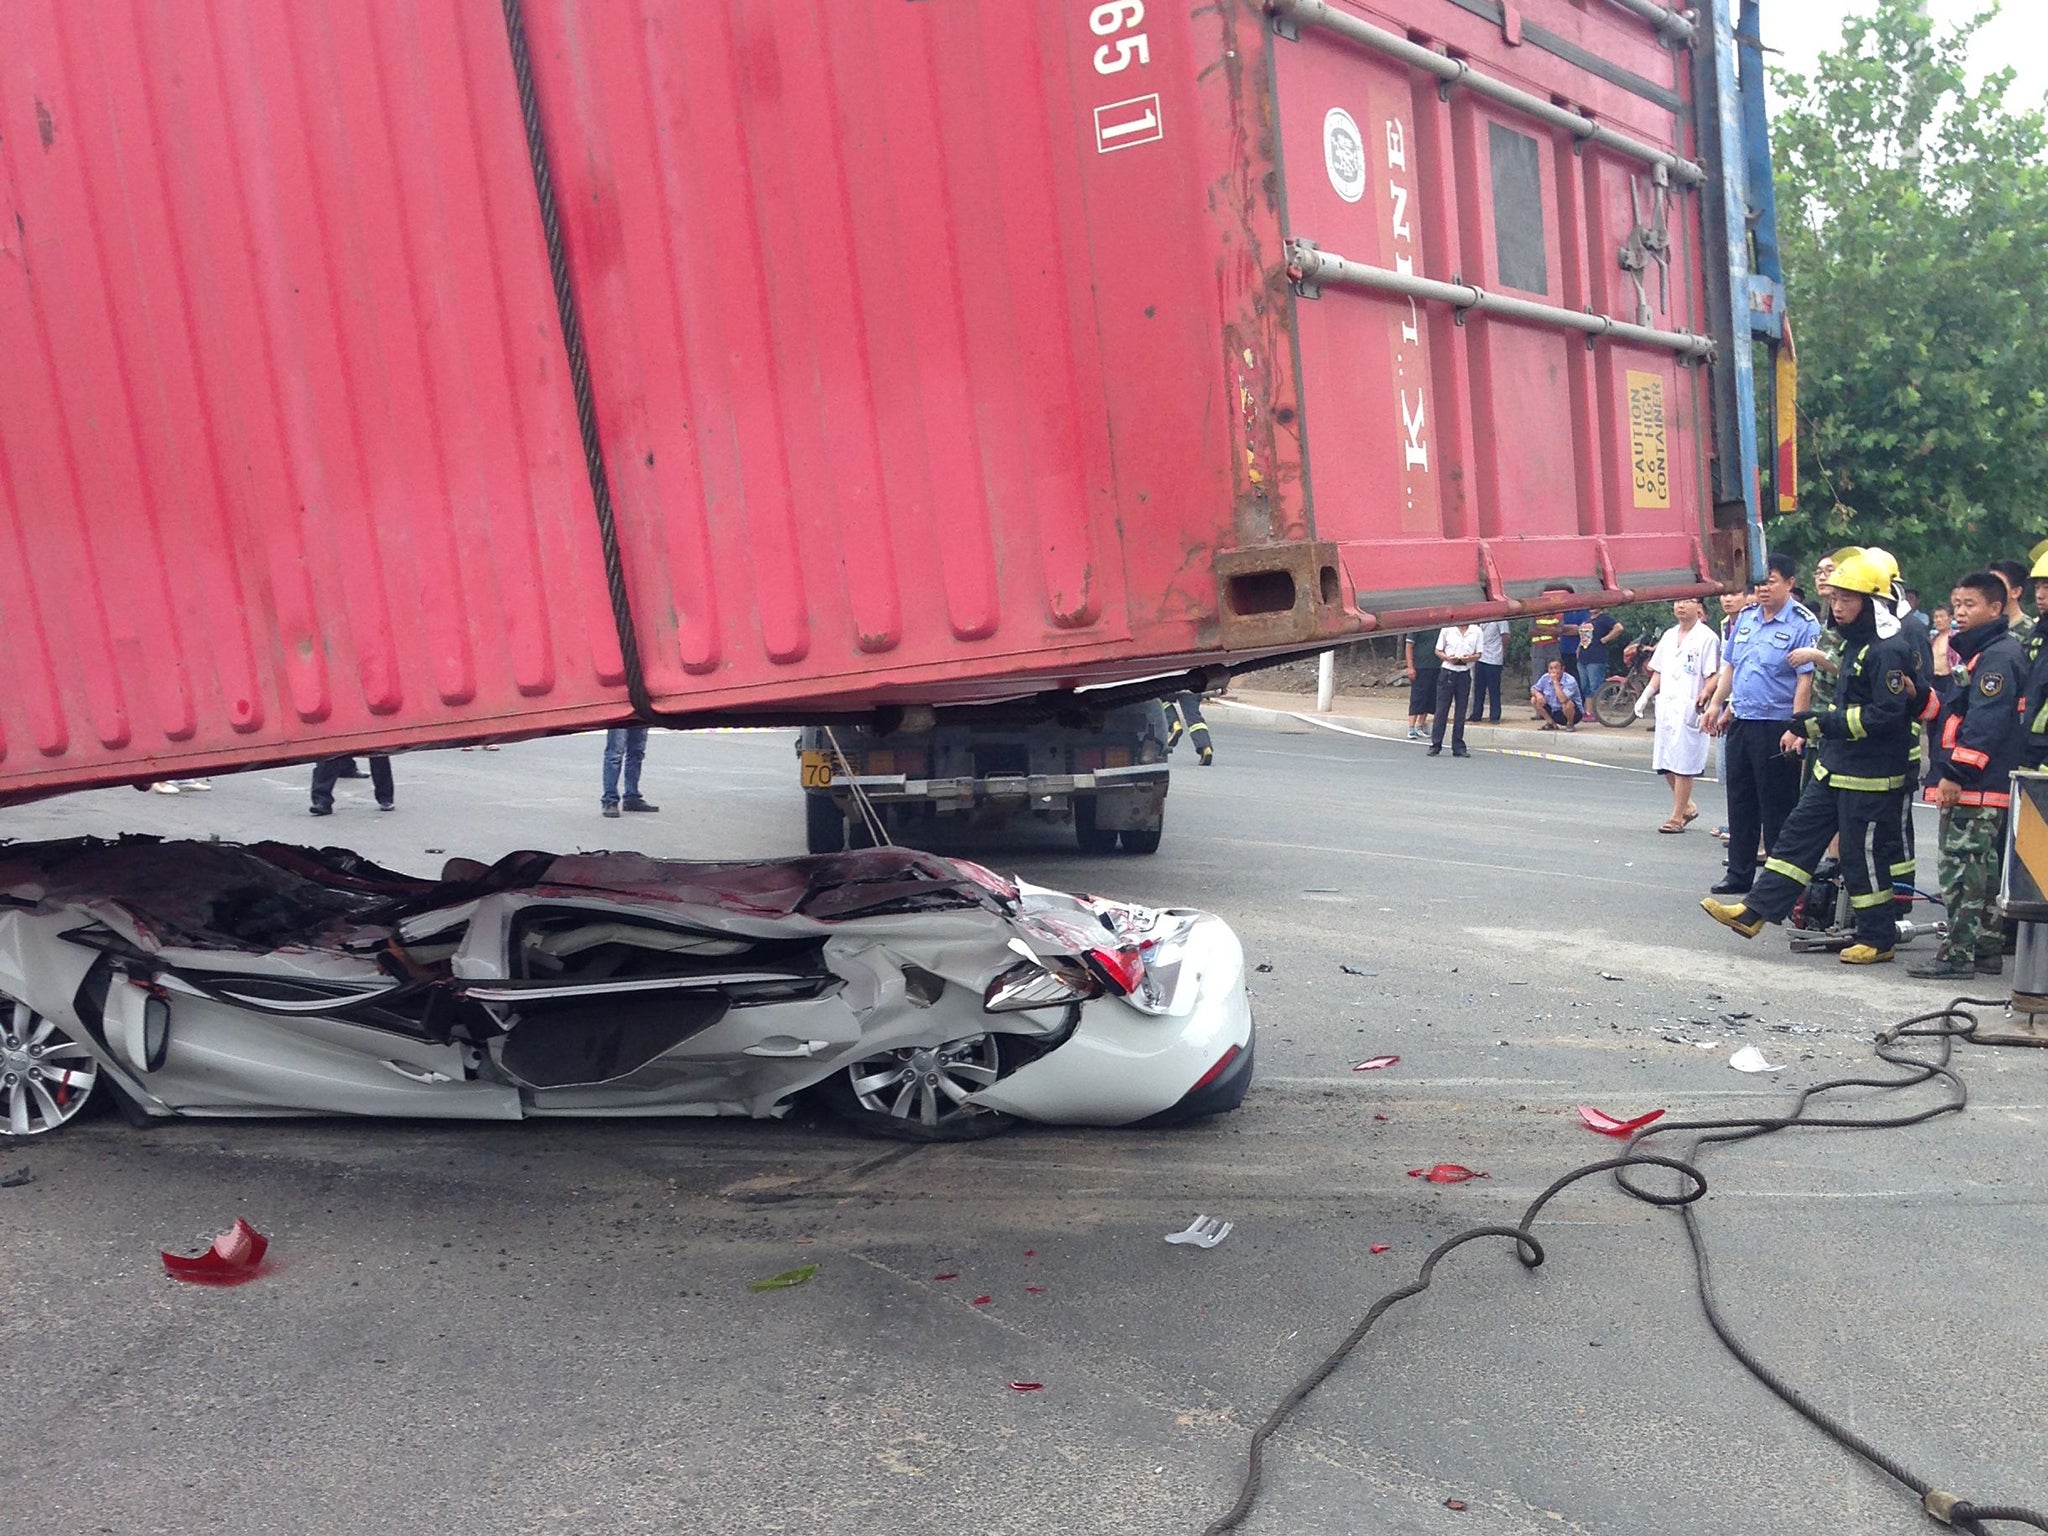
801,354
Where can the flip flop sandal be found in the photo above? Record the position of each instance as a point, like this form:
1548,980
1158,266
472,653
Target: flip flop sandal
1672,826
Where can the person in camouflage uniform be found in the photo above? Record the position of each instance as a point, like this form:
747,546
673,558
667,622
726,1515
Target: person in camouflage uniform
1979,738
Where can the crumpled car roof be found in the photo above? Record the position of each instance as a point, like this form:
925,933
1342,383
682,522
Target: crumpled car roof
265,896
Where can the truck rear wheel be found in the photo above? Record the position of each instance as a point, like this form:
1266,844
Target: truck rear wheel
824,827
1093,839
1146,841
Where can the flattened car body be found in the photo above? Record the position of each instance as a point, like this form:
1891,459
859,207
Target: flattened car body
921,996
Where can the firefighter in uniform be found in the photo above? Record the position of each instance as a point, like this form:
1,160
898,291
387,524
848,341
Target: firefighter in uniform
1184,717
2036,752
1864,740
1980,737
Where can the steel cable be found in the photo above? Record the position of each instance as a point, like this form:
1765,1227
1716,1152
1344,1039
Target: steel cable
1945,1025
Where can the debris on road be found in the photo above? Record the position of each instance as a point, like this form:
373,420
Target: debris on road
1447,1173
1263,967
1356,970
1375,1063
1610,1125
1204,1232
236,1256
1610,976
1382,1247
951,1274
1034,1290
1750,1059
16,1179
983,1300
785,1280
1455,1504
1027,1386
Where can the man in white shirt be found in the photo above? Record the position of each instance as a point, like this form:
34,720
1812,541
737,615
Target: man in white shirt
1486,673
1458,647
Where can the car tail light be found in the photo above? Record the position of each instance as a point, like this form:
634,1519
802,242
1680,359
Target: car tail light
1123,969
1046,983
1222,1065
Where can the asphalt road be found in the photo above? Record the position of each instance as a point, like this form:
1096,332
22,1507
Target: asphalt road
546,1328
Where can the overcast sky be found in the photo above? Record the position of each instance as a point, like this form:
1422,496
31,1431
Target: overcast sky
1803,29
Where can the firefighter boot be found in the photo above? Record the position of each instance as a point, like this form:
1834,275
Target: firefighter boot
1733,914
1865,954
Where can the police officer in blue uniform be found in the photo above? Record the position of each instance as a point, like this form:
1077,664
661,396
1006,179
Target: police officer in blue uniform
1759,692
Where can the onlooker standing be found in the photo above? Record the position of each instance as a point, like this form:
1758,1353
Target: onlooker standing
1942,623
625,747
1543,634
1977,743
1493,660
1600,651
1732,604
328,769
1571,633
2014,575
1457,649
1556,698
1421,662
1682,670
1754,700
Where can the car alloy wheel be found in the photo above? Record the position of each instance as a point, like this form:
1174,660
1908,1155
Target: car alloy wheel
46,1077
927,1085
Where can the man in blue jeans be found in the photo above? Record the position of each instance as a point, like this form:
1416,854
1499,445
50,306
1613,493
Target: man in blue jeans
625,746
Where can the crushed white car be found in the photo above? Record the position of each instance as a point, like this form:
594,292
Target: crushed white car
919,997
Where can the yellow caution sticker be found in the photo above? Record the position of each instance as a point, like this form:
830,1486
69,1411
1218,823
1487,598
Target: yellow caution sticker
2029,842
1648,460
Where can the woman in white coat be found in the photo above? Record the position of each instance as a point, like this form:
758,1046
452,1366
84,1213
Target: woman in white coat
1687,659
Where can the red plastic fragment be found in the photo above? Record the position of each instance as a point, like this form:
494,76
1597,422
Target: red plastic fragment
236,1256
1607,1125
1027,1386
1454,1504
951,1274
1374,1063
1382,1247
1030,1253
1379,1117
982,1301
1447,1173
1034,1290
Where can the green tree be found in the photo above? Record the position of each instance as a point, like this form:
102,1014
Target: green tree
1913,212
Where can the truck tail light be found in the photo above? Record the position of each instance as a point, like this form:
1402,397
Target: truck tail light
1088,759
879,762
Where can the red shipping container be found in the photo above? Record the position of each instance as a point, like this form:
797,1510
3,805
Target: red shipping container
809,353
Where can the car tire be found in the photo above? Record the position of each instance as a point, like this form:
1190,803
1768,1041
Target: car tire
40,1068
1093,839
864,1094
1143,842
824,827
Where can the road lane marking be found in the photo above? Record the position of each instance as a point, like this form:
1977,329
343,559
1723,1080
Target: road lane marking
1441,862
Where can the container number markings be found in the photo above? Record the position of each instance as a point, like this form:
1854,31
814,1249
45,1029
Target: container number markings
1127,124
1136,119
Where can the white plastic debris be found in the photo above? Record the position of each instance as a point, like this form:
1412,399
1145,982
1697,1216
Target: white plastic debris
1750,1059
